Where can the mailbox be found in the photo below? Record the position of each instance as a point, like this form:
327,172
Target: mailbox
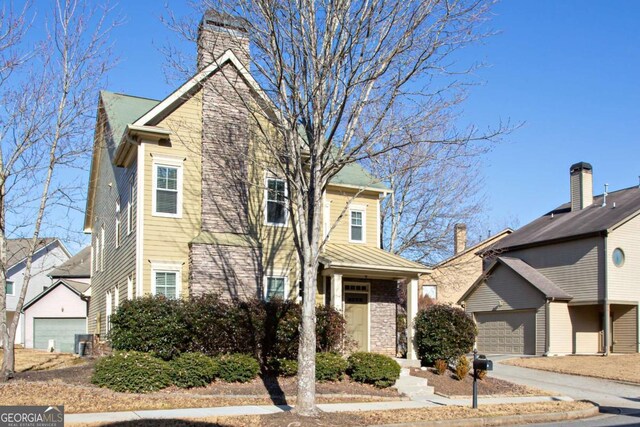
483,364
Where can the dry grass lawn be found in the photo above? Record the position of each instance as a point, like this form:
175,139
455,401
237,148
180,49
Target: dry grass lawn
363,418
82,398
619,367
28,359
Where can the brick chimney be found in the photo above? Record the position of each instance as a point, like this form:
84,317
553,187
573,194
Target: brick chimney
219,32
459,238
581,180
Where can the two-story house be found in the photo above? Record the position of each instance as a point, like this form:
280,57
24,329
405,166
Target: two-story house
48,254
566,283
182,201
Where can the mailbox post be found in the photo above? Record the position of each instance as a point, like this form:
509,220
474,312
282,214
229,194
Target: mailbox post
480,363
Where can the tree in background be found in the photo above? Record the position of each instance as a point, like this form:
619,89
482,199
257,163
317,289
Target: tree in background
47,90
334,73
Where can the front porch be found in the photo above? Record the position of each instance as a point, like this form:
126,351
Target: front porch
362,283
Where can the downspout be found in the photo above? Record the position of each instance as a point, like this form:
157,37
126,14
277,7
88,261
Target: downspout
547,321
607,309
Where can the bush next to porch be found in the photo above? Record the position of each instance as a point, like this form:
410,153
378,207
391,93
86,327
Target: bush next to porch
443,332
213,326
377,369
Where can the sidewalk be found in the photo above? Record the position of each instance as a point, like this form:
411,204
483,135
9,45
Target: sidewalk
272,409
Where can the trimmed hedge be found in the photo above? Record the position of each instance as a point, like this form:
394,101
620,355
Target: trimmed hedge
443,332
238,368
207,324
282,367
193,370
132,372
330,367
371,368
151,324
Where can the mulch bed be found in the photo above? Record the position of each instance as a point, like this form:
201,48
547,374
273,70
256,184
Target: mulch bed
449,385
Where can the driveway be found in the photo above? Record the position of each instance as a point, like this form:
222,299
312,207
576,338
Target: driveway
613,397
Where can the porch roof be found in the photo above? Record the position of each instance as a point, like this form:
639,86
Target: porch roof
361,257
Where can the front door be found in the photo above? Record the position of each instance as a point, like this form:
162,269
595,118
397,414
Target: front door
356,313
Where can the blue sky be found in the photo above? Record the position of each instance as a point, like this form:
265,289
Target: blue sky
567,70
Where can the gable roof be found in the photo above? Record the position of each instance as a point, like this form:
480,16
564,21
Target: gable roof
561,223
532,276
476,247
18,249
78,266
78,288
122,109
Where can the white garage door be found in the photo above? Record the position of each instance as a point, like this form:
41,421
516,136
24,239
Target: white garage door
507,332
62,331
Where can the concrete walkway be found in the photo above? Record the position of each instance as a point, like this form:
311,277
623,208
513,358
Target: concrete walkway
273,409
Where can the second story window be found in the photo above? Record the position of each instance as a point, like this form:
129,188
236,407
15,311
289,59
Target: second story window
167,191
356,225
117,224
276,212
130,209
102,248
8,287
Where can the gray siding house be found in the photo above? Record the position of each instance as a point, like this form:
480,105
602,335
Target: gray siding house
566,283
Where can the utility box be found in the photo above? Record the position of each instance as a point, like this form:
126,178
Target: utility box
483,365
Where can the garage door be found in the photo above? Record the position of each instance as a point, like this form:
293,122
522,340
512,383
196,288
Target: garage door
507,332
63,331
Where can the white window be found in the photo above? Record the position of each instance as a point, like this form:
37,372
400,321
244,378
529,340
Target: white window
276,209
326,218
117,224
430,291
166,279
130,209
275,287
357,220
167,187
130,286
116,298
109,310
102,248
9,288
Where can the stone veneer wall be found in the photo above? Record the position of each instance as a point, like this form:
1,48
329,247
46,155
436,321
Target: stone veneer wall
383,298
227,270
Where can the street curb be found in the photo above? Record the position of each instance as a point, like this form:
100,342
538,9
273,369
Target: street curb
503,421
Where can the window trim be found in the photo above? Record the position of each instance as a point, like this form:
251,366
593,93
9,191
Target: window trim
430,285
167,162
130,290
274,276
167,267
102,239
108,311
266,202
130,208
362,209
13,288
117,224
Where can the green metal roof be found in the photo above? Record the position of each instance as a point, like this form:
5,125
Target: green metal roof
356,175
122,110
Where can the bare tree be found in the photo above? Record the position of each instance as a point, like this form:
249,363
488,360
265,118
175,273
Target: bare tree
334,71
46,120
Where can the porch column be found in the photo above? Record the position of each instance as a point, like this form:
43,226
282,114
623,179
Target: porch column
412,310
336,292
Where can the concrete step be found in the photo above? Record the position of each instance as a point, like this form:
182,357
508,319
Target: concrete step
410,382
414,391
405,363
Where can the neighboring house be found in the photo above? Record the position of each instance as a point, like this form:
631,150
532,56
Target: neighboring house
57,314
566,283
175,206
451,278
48,254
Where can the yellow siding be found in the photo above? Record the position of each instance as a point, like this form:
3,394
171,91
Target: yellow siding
586,329
623,281
560,332
339,200
166,239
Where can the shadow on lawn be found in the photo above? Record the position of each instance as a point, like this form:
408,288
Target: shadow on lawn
276,394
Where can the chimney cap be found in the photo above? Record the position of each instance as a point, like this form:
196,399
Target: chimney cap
223,20
580,166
